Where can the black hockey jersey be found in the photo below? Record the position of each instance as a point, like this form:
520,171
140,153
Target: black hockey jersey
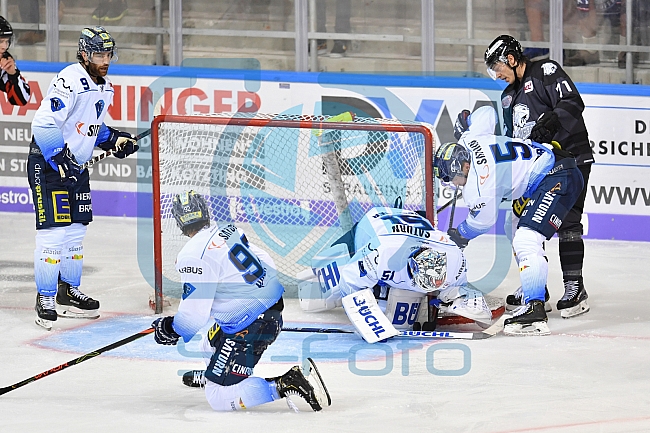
14,86
544,87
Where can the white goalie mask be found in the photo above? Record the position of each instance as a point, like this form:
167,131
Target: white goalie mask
429,269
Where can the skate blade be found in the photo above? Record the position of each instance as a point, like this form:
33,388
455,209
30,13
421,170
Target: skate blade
547,307
532,329
320,390
69,312
579,309
44,323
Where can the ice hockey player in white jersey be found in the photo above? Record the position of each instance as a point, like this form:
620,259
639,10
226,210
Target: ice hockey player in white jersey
492,169
233,284
397,257
67,126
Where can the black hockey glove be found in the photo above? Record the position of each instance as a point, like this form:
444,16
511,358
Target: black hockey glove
545,128
164,332
461,124
122,142
458,239
67,166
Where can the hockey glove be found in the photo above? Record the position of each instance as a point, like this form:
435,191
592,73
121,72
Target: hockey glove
461,125
123,143
545,128
66,165
164,331
519,205
458,239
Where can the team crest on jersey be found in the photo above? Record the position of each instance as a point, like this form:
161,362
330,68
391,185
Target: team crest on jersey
520,116
506,101
549,68
56,104
99,106
528,86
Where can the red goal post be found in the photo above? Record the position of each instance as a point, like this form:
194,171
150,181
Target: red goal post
294,183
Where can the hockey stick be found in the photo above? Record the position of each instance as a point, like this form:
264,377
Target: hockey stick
95,159
76,361
491,331
446,205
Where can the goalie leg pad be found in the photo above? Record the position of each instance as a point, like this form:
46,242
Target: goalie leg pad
364,313
402,307
315,297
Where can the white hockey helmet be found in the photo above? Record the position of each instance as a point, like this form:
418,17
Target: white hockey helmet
429,268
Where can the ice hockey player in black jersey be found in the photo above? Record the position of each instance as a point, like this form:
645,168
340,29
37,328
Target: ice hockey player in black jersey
542,103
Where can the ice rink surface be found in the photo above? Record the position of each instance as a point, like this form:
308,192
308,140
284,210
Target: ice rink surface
591,375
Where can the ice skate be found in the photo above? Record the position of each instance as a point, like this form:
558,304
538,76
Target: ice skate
312,390
472,306
529,319
194,378
514,301
72,303
46,311
574,301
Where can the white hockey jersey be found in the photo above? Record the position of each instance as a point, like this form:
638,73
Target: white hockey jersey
385,238
72,112
502,168
226,278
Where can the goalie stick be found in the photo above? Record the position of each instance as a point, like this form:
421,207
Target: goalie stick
95,159
491,331
78,360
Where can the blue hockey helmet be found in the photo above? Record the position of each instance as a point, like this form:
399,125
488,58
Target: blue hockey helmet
448,161
190,211
96,40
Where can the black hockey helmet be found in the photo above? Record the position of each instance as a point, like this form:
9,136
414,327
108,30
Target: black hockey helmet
448,161
498,51
96,40
190,211
6,31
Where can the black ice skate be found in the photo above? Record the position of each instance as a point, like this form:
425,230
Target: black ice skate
194,378
72,303
514,301
529,319
46,311
574,301
312,390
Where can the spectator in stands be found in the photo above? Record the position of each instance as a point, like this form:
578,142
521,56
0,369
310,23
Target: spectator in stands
536,10
110,10
30,13
342,25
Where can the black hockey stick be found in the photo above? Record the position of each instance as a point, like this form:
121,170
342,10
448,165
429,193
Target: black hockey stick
79,360
491,331
446,205
95,159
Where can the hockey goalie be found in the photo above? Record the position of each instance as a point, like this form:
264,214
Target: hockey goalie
381,271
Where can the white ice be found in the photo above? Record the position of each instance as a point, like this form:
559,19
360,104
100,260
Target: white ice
591,375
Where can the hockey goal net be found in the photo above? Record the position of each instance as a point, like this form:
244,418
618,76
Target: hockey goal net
293,183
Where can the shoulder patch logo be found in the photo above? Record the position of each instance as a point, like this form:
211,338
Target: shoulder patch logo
56,104
99,106
506,101
549,68
528,86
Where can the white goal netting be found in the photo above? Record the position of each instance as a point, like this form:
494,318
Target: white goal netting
294,184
